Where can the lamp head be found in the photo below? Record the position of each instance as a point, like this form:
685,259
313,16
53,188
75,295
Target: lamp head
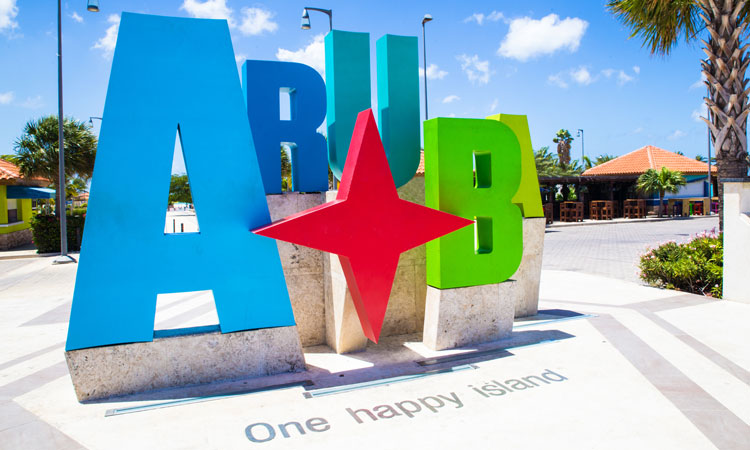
426,18
93,6
305,24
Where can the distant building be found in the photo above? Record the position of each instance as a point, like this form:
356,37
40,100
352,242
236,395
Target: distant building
635,163
16,194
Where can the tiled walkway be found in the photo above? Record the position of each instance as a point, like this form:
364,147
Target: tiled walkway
613,250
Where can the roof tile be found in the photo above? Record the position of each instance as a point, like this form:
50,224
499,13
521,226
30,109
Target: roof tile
649,157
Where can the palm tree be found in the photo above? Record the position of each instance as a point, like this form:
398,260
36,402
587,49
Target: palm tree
661,23
601,159
286,170
37,151
563,139
662,181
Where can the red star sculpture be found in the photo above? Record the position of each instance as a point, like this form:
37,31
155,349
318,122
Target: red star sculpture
367,225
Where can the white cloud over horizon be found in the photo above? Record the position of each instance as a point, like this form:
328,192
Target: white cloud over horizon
528,38
433,72
479,18
107,42
451,99
313,54
209,9
6,97
584,77
255,21
8,13
476,70
76,17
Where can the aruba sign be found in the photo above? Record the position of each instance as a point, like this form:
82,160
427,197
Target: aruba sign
179,74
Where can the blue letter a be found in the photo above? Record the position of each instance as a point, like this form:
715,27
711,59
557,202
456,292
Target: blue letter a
169,73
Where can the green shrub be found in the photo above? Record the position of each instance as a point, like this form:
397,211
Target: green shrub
694,266
79,211
46,231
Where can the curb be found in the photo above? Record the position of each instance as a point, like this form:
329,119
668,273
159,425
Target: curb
613,222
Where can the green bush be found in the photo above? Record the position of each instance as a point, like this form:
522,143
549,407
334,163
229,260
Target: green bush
46,231
695,266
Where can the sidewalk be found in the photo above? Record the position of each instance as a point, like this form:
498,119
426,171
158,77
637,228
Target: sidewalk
607,364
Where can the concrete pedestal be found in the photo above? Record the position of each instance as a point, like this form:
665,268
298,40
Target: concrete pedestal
303,269
469,315
737,241
183,360
405,313
529,272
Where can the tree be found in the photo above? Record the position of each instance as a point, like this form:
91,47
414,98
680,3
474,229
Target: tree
37,151
179,190
286,170
548,165
601,159
662,23
660,182
563,140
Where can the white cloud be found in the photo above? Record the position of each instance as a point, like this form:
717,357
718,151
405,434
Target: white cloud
209,9
433,72
33,102
451,99
314,55
581,76
479,18
494,105
700,83
8,12
637,70
6,97
622,77
638,130
476,70
677,134
108,41
77,18
557,80
702,111
528,38
257,20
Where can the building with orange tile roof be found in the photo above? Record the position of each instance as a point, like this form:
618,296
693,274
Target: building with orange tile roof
16,193
639,161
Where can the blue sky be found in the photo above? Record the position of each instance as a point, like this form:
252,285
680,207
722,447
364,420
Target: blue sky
563,64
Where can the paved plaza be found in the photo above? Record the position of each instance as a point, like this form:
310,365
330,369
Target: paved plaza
608,363
613,249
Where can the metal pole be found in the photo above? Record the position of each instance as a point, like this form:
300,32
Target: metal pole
708,131
64,258
424,57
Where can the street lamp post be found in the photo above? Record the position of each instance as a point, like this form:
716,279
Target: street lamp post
306,17
708,142
425,19
580,134
64,258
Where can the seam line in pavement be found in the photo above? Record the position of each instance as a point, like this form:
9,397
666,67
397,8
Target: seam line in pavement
720,425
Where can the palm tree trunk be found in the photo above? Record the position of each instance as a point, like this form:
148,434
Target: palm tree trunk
661,204
724,67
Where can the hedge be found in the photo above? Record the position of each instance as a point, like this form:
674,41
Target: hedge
46,231
695,266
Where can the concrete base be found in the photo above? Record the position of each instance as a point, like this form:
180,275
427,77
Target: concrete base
183,360
405,313
469,315
529,272
736,241
303,269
